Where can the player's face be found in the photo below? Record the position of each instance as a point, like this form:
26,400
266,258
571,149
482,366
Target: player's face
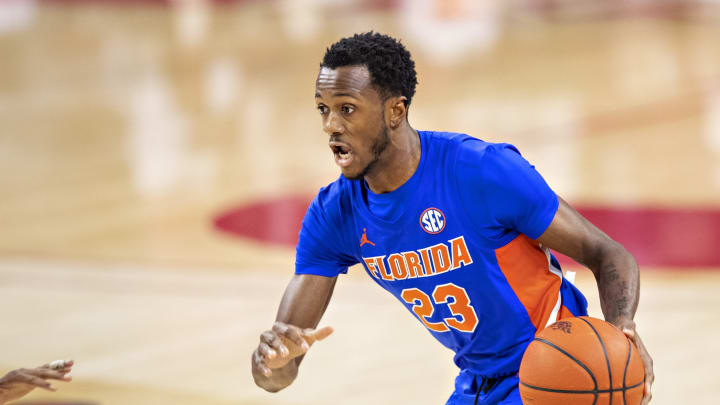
353,118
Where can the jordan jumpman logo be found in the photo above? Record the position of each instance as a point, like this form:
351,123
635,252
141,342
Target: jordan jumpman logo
364,239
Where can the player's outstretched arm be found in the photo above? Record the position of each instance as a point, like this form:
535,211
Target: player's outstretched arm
276,360
20,382
615,270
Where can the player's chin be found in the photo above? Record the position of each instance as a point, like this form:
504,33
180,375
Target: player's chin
352,173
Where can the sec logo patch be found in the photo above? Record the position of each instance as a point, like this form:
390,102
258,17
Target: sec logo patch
432,220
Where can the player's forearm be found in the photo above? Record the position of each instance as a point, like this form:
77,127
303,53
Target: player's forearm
279,379
618,280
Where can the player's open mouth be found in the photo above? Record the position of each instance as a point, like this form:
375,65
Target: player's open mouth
343,153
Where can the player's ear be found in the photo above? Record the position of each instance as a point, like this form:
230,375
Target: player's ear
396,111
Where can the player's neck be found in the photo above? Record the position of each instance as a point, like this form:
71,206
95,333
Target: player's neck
397,163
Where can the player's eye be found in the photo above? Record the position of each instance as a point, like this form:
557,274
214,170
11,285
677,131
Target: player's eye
348,109
322,108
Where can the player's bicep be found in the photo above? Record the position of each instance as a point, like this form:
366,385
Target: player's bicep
572,235
305,300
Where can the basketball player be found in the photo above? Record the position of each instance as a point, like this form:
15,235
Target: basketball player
457,229
18,383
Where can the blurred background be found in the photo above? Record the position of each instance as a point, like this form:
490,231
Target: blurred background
156,159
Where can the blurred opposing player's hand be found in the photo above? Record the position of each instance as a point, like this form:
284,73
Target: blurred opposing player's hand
284,343
20,382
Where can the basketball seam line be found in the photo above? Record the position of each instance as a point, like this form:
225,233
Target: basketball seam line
607,359
595,392
558,348
627,363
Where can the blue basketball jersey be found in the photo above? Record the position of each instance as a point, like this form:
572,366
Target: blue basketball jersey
455,245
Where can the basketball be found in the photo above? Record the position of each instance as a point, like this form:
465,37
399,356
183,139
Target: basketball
581,361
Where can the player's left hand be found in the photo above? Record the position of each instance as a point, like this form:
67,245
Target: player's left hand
20,382
631,333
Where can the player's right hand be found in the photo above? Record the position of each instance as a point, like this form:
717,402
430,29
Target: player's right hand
283,343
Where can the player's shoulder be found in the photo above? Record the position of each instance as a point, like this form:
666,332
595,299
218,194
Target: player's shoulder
445,141
470,150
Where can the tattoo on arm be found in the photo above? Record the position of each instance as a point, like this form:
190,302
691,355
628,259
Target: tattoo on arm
618,290
611,273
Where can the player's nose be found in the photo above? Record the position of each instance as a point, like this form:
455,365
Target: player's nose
333,125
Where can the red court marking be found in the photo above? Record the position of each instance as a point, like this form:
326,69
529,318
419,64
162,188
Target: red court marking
275,221
662,237
670,237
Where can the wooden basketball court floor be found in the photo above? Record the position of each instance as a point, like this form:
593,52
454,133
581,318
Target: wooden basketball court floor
124,130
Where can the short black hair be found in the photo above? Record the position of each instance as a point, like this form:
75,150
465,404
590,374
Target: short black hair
390,65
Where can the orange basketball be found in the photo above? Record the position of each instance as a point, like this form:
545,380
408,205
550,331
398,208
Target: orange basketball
581,361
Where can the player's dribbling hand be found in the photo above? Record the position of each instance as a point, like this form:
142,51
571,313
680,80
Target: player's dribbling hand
18,383
284,343
631,333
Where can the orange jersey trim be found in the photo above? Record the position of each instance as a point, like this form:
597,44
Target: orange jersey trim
527,270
